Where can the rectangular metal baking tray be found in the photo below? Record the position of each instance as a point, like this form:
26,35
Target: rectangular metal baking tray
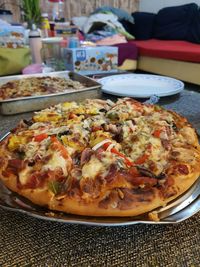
25,104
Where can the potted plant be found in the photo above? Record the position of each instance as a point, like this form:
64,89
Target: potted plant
31,12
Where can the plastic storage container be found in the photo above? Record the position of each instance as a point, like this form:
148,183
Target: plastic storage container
56,10
51,53
35,43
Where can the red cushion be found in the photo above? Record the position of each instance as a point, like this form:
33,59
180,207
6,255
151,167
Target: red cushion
178,50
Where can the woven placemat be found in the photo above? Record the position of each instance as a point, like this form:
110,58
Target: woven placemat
27,241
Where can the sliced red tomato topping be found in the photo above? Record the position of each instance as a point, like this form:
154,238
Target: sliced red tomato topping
106,145
157,133
40,137
115,151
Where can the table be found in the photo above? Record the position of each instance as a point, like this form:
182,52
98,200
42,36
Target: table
27,241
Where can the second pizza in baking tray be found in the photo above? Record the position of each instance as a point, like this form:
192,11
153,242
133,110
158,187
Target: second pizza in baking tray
25,93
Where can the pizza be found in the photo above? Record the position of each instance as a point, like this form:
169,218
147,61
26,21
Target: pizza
35,86
100,158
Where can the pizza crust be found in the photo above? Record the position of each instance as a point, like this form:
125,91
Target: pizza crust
74,206
43,197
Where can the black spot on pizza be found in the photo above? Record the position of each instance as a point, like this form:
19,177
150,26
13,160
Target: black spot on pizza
76,158
148,173
103,110
31,163
174,127
64,133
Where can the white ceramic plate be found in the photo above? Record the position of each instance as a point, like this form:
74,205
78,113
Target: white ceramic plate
140,85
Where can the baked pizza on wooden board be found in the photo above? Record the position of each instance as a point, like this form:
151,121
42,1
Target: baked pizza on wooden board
100,158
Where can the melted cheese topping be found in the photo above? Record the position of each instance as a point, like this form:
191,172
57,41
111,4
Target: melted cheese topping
134,130
92,168
24,175
57,161
95,166
36,149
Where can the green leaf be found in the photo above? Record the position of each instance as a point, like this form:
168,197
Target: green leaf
54,187
112,115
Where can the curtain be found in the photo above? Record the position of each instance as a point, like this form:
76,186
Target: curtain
74,8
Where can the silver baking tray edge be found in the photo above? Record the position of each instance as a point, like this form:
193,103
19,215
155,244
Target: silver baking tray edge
25,104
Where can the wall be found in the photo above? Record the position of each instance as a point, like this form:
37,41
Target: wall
156,5
77,7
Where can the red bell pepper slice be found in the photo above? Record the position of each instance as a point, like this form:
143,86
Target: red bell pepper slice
142,159
58,146
40,137
115,151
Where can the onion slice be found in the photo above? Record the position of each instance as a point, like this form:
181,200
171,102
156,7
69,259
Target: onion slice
101,144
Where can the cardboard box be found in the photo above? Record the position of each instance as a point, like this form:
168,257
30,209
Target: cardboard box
12,36
99,59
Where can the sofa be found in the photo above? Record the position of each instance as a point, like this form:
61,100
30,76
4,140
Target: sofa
168,42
